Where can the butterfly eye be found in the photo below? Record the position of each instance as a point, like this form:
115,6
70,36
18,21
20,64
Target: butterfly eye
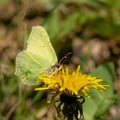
57,66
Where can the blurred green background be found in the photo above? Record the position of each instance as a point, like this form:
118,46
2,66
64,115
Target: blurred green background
90,29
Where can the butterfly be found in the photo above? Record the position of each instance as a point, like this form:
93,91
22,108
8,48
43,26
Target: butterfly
38,57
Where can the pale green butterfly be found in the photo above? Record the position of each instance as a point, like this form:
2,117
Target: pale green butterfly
37,59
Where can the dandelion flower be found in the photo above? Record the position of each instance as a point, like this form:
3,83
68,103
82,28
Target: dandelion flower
71,86
71,83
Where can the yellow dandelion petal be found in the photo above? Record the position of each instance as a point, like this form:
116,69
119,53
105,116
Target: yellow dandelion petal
41,88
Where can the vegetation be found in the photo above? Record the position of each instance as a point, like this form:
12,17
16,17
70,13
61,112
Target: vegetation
90,29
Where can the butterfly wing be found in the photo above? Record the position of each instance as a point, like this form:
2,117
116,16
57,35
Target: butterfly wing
38,57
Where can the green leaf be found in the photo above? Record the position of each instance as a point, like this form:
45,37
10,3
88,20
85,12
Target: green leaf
70,23
51,23
98,104
98,25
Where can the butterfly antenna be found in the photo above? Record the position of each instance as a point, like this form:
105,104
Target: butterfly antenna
65,57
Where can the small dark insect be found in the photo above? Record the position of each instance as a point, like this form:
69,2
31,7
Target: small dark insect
71,107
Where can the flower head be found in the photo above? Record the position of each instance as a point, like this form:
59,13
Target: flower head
71,83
